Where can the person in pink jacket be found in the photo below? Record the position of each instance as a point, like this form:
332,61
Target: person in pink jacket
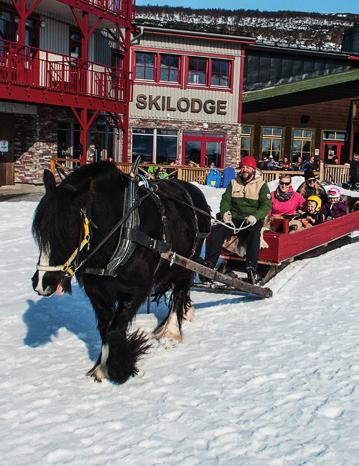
285,201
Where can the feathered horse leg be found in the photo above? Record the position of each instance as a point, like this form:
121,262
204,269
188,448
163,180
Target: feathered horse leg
180,308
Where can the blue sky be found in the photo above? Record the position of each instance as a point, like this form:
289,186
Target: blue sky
321,6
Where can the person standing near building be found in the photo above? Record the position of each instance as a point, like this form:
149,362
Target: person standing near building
245,203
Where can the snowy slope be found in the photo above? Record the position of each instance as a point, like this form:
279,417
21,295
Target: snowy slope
271,382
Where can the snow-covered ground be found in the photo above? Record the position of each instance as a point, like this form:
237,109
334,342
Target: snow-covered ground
255,382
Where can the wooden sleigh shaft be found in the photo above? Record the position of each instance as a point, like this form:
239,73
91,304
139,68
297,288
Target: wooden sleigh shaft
232,282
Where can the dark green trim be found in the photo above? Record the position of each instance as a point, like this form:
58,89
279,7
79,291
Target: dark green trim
300,86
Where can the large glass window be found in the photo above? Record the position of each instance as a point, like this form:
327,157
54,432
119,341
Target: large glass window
166,146
142,144
197,70
271,142
154,145
245,141
169,68
220,73
145,66
302,141
334,135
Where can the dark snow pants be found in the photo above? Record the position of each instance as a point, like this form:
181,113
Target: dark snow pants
251,236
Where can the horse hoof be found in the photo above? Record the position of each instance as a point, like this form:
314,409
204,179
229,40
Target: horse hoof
166,332
98,373
189,315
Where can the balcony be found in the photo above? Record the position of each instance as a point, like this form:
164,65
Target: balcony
108,9
39,76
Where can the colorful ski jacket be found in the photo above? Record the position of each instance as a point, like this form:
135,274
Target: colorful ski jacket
252,198
288,207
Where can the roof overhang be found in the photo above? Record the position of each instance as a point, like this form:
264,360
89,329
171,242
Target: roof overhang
197,34
301,86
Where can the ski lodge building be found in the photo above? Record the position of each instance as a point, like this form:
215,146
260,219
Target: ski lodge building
78,81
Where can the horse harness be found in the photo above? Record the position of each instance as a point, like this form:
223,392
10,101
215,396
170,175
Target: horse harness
130,234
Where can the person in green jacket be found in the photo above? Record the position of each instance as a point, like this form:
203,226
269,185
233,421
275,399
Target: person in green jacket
246,200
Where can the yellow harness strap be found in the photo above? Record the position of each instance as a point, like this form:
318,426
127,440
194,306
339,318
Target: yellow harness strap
85,241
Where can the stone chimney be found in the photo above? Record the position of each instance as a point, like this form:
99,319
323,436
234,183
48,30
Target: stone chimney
350,43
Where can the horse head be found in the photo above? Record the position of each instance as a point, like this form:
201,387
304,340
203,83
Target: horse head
53,229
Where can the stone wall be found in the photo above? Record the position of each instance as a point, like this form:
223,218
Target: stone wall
35,142
231,132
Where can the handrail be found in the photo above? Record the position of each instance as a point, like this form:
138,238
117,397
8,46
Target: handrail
38,68
335,174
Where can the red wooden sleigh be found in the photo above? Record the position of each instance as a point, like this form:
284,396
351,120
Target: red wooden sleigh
284,247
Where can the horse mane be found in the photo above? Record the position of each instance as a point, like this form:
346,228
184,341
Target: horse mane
57,219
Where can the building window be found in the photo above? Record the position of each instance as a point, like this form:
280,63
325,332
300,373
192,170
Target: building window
271,142
245,140
145,66
220,73
166,68
209,72
197,70
154,145
142,144
75,43
166,146
7,30
169,68
302,141
334,135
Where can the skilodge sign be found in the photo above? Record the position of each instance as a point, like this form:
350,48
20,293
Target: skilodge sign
184,105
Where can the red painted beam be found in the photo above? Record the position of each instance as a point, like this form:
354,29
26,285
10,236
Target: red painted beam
49,97
123,16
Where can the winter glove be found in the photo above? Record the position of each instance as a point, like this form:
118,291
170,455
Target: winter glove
251,220
227,217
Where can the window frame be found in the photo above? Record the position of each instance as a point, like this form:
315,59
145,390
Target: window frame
208,79
153,132
272,137
250,136
335,131
144,79
183,64
302,139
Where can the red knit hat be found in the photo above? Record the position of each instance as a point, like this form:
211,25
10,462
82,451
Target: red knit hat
249,161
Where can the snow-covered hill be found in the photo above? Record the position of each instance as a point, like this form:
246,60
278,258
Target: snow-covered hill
288,28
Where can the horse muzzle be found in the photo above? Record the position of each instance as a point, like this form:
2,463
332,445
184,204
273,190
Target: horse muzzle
49,283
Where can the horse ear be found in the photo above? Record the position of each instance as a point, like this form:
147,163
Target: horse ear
49,181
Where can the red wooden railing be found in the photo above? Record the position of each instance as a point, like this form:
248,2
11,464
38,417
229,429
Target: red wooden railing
37,68
117,7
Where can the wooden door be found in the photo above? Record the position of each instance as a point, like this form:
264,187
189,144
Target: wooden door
6,149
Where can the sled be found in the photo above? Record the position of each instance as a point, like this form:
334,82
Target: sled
284,247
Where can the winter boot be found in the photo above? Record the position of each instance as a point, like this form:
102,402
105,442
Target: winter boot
251,275
208,264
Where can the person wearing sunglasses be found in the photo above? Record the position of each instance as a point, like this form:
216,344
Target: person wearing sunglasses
312,187
285,201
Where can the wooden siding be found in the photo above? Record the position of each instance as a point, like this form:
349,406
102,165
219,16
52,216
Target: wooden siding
188,44
327,108
175,93
55,36
101,49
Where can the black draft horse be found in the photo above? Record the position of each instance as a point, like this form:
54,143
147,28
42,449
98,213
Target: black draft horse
58,226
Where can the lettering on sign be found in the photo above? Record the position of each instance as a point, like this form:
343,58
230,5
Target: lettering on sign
183,104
